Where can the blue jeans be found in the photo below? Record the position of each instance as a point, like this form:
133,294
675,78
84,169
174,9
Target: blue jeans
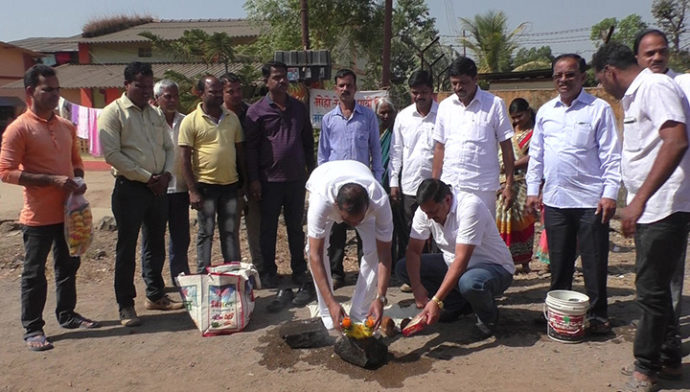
658,246
38,241
477,287
136,207
178,225
218,202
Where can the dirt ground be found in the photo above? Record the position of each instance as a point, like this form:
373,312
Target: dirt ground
168,353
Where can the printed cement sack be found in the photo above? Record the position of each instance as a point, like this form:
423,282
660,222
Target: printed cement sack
221,301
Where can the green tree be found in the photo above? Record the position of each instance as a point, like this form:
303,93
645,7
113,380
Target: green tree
624,31
491,41
347,28
197,45
671,15
351,30
532,58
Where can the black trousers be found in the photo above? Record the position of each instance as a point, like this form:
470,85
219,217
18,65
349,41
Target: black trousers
288,197
567,231
658,246
135,207
336,248
38,242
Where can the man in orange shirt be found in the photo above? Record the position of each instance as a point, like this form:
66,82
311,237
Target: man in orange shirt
40,153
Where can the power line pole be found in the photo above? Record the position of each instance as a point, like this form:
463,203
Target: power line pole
387,36
304,13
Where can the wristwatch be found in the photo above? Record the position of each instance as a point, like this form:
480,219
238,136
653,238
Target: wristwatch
383,299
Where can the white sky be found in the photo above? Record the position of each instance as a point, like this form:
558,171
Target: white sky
55,18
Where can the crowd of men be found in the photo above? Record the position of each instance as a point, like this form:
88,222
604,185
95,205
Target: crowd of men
430,176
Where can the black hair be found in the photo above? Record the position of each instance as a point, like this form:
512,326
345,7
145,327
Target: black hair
201,84
644,33
421,78
32,74
135,68
230,78
352,198
266,68
462,66
432,189
615,54
581,63
343,72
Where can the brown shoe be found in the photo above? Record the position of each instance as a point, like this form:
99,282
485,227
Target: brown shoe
164,303
128,317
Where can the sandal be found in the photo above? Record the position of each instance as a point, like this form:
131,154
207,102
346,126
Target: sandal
38,343
79,321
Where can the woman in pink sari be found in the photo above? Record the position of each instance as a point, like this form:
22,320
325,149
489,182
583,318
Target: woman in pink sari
515,225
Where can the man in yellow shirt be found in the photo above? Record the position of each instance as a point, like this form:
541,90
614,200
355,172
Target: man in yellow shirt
135,141
210,141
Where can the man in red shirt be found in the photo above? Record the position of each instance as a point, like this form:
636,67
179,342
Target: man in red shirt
40,153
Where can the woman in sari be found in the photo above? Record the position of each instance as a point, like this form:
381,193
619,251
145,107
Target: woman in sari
515,225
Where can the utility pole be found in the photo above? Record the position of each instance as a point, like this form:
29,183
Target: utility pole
387,36
304,13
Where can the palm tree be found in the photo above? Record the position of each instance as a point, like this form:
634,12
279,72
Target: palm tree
490,40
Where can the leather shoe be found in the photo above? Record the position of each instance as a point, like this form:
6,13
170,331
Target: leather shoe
283,297
269,281
305,294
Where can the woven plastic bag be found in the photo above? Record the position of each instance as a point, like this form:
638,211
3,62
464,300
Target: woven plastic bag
221,301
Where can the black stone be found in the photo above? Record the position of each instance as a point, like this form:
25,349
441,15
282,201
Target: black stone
369,353
308,333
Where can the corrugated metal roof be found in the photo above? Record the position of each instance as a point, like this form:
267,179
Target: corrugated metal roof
173,29
112,75
49,44
30,52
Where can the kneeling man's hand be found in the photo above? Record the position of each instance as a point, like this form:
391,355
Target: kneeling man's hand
431,313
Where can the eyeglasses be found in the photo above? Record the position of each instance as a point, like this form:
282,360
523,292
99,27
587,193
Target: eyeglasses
567,75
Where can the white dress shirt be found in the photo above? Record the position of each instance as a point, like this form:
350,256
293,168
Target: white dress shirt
412,148
576,150
650,101
471,135
468,222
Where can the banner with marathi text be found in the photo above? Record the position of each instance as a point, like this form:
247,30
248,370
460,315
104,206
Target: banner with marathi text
323,101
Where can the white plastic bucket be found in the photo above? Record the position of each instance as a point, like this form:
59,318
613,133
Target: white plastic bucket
565,312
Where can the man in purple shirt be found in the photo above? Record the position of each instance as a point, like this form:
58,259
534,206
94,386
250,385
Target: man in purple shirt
280,154
348,132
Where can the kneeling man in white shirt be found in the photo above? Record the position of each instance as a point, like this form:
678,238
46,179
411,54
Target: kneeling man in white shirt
475,265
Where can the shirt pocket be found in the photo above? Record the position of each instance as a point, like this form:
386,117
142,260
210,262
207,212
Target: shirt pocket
583,134
632,138
478,131
362,140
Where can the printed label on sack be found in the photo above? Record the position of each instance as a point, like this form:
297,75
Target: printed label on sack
222,307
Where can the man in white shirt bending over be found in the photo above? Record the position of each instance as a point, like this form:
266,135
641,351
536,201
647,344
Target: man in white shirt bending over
346,191
575,149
